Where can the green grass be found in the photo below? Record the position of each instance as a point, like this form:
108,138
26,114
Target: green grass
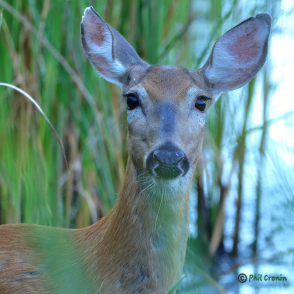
1,16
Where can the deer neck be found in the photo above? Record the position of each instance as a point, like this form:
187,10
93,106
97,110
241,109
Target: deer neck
148,230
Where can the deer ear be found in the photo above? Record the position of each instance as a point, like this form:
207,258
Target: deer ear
238,55
107,50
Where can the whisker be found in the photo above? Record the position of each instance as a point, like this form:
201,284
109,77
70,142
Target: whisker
145,189
158,211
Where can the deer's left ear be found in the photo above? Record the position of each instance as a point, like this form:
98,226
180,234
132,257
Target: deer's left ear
238,55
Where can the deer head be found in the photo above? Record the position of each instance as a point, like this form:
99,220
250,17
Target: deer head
167,105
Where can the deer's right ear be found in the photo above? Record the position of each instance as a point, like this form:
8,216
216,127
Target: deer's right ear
109,53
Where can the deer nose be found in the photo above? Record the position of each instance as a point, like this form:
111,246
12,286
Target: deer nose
168,156
167,162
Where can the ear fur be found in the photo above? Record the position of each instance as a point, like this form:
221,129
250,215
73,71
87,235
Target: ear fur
109,53
238,55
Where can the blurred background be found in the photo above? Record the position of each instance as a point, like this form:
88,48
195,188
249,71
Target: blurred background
242,217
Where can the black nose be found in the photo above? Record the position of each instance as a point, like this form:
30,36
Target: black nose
168,161
168,156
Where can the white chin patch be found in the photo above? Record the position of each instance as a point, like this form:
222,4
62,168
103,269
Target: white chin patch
172,187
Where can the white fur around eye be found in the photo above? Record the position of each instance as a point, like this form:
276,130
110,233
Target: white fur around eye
133,114
137,112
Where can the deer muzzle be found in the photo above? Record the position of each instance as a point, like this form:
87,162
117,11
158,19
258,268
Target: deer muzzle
167,162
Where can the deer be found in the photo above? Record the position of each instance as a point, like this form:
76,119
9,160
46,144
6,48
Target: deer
140,245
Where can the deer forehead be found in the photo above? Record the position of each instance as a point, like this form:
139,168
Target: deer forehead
169,83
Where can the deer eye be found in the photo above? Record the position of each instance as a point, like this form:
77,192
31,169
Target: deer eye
132,101
201,103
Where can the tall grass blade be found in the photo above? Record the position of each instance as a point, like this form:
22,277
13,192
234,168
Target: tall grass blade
176,286
42,112
1,16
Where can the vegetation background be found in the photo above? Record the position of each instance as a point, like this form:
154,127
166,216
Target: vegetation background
244,179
